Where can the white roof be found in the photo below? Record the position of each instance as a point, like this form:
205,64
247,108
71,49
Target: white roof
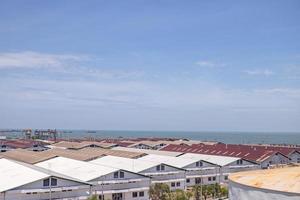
133,165
81,170
13,175
173,161
149,151
218,160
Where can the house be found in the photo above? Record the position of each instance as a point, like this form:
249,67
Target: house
197,171
108,182
227,164
21,181
294,156
158,171
148,144
256,154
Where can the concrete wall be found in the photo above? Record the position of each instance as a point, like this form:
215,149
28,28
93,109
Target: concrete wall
242,192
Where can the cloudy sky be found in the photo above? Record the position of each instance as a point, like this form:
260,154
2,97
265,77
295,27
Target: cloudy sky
150,65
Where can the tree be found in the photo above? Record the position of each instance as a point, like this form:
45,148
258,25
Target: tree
224,191
180,195
197,192
93,197
159,191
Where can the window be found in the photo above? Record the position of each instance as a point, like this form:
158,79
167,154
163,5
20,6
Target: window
198,180
101,197
226,177
298,160
141,194
214,178
53,182
134,194
188,180
199,164
158,168
46,182
116,175
239,162
209,178
121,174
173,184
177,184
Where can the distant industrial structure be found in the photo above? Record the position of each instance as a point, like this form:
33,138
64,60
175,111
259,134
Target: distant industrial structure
48,134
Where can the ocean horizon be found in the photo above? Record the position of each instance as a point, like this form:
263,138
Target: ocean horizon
233,137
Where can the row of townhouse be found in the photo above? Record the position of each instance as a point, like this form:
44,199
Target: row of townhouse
265,157
110,177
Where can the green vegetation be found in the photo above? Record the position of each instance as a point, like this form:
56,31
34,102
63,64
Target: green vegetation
94,197
162,192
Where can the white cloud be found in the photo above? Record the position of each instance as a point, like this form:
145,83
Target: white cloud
29,59
259,72
209,64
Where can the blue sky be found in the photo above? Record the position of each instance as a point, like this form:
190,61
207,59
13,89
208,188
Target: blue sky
150,65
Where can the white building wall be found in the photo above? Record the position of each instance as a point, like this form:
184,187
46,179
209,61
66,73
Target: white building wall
295,157
127,196
132,182
168,176
36,191
19,195
39,184
276,159
242,192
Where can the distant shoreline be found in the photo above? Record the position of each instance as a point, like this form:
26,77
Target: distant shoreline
284,138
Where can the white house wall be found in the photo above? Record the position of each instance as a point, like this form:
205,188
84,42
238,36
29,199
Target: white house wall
36,190
275,159
295,157
132,182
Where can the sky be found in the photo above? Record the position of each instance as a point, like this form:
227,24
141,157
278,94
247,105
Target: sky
150,65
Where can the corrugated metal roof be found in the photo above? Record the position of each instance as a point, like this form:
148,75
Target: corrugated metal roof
280,179
148,151
218,160
99,151
173,161
14,174
252,153
133,165
81,170
27,156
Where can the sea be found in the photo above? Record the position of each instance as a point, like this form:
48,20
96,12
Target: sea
225,137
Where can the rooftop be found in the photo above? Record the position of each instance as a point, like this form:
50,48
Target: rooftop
25,174
148,151
173,161
218,160
27,156
81,170
133,165
280,179
120,153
